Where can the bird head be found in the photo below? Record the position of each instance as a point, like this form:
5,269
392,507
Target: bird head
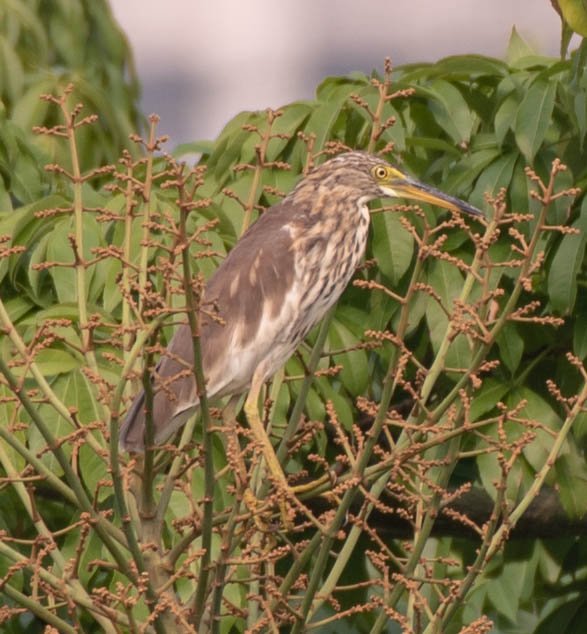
393,183
358,177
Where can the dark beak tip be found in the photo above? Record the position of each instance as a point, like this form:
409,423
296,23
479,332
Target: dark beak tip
472,211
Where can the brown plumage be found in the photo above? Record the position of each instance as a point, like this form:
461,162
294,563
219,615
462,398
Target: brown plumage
274,286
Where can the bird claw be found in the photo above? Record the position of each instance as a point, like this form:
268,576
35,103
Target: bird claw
253,504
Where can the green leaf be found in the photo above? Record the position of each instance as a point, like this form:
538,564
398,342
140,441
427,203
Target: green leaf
322,120
450,110
463,175
11,69
447,282
464,67
536,408
567,618
579,330
511,347
505,598
59,252
336,88
355,372
566,265
517,49
571,479
8,414
489,472
493,178
288,124
520,187
534,117
52,361
192,147
30,110
396,132
17,307
93,550
505,116
342,407
230,147
392,245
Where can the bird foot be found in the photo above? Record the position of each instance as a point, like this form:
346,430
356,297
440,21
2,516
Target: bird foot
255,506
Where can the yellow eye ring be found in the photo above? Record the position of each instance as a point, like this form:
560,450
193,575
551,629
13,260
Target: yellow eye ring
380,172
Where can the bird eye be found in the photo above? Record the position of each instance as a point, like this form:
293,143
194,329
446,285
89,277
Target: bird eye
380,172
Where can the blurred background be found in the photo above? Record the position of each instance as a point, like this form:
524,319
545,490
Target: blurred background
200,63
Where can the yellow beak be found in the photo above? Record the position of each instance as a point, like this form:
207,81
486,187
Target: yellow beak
407,187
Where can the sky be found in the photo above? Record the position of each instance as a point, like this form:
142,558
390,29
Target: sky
200,63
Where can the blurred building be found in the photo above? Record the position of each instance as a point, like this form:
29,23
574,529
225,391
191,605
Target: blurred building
202,62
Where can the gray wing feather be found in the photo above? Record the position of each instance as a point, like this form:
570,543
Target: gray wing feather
258,270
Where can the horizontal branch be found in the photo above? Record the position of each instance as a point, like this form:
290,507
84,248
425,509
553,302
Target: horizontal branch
544,519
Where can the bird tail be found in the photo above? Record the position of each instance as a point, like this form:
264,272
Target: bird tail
132,431
168,417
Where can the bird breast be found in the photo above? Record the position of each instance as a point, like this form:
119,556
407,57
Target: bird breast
325,262
324,256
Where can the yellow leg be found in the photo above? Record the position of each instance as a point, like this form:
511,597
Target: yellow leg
251,408
232,442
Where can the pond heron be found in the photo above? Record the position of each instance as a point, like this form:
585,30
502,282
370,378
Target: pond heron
282,276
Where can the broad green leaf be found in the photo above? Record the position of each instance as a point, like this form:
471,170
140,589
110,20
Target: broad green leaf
342,407
447,282
184,150
505,597
511,347
517,49
566,265
282,180
462,67
579,330
549,564
434,143
450,110
392,245
11,70
29,110
38,255
322,120
571,480
59,252
580,110
506,116
17,307
497,175
93,550
534,117
519,189
281,406
538,409
288,123
229,149
567,616
464,174
52,361
355,373
396,132
9,416
336,88
58,311
314,405
489,472
416,314
96,273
